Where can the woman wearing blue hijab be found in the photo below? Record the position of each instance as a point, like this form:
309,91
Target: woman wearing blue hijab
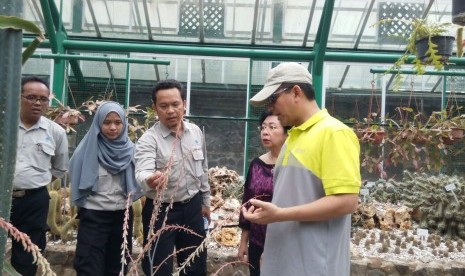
102,178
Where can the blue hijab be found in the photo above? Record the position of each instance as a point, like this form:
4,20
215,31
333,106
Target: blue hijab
116,156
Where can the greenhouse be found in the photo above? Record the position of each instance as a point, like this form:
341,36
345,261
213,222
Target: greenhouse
367,71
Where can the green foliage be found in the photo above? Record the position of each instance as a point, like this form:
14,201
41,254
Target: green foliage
420,29
234,190
9,270
384,191
12,22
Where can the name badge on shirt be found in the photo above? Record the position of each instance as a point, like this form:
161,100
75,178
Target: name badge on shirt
197,154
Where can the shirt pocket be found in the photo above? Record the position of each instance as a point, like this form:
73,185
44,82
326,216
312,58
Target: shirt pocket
41,160
198,157
104,180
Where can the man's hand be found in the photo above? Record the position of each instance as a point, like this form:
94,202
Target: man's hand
261,212
157,180
206,213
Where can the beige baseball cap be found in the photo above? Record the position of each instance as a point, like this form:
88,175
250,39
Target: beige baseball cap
292,72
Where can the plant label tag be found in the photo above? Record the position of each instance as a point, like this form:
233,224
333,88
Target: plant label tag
450,187
370,184
422,233
364,192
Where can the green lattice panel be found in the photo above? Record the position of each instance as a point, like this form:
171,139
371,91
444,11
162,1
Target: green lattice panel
397,31
213,18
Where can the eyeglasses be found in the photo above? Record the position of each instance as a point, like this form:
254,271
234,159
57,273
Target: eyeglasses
264,127
34,99
274,97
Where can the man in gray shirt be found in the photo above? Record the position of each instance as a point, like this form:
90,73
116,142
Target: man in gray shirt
171,168
42,155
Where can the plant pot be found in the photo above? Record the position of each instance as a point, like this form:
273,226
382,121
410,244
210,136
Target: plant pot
458,12
370,136
456,134
416,136
445,46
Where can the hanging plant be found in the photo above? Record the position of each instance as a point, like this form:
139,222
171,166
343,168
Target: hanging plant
430,36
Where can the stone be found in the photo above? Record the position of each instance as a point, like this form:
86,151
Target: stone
389,268
375,263
375,272
68,272
358,267
56,257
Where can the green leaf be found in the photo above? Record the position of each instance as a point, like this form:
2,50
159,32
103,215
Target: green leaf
31,49
9,270
17,23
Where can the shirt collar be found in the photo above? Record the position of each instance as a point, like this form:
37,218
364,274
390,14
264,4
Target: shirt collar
165,131
320,115
41,123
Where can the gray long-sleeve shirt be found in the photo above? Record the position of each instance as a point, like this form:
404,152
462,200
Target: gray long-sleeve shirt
159,148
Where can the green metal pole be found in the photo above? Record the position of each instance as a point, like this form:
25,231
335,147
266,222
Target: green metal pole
320,50
128,85
56,43
10,87
257,53
270,54
77,16
102,58
443,94
247,114
412,72
278,11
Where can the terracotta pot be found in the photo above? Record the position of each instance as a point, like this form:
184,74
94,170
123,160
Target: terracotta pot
370,136
455,136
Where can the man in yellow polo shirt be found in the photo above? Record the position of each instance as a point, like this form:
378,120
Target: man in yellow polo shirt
316,182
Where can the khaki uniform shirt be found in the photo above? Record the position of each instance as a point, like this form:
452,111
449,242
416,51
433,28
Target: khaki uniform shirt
42,151
109,195
185,157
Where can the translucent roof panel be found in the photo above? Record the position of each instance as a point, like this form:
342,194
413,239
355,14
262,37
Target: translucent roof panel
242,22
388,36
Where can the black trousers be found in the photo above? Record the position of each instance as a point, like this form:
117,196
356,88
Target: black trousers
99,240
159,260
29,215
255,254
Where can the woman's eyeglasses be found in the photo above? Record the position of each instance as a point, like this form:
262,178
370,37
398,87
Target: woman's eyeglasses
264,127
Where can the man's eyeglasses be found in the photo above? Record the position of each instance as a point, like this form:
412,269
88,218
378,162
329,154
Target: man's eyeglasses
274,97
34,99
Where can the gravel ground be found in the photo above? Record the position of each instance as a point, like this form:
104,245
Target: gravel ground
405,245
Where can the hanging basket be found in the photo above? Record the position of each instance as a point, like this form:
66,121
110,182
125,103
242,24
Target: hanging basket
458,12
445,46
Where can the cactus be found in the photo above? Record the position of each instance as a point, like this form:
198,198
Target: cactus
442,211
137,211
60,224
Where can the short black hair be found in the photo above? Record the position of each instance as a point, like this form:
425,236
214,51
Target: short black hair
266,114
308,89
28,79
168,84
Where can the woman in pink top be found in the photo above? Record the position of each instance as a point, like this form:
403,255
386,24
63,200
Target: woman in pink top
259,184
